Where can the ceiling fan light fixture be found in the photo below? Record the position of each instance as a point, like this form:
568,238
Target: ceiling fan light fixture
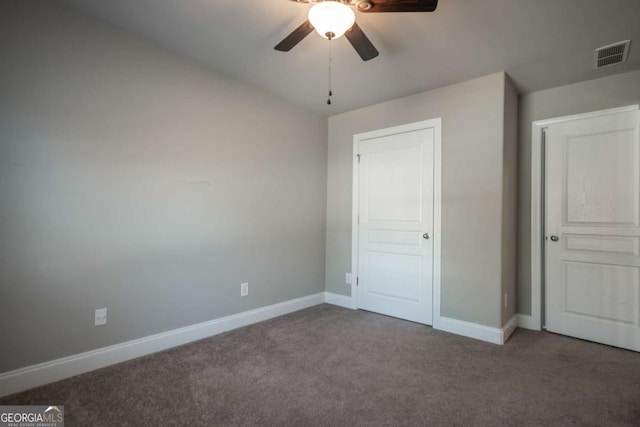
331,19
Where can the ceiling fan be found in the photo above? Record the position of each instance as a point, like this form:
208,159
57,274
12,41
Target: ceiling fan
333,18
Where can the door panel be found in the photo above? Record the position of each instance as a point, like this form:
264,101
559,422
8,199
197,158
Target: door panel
395,211
404,271
601,291
601,178
603,245
395,190
593,205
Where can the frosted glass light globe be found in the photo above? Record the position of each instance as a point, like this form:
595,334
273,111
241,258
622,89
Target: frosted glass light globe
331,17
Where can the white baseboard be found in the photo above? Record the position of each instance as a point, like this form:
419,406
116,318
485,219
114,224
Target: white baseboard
55,370
339,300
526,322
509,327
477,331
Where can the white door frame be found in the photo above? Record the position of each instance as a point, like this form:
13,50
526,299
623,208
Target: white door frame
537,205
436,124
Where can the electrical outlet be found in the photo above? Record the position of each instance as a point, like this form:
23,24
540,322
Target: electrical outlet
101,317
347,278
244,289
505,300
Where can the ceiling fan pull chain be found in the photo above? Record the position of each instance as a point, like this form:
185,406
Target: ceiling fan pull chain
330,61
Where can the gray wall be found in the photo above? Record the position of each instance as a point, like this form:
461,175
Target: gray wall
134,180
472,172
609,92
509,200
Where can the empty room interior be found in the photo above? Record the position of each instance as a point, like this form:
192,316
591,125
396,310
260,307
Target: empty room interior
307,212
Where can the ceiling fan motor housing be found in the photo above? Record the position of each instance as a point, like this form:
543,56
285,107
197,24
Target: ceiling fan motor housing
363,4
359,4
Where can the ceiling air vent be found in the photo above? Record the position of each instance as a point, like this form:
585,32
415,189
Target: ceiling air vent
612,54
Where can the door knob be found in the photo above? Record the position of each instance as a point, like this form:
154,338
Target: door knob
554,238
425,236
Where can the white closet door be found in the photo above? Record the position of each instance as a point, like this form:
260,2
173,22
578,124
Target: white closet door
396,205
593,229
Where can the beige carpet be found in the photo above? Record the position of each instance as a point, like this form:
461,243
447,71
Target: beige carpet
332,366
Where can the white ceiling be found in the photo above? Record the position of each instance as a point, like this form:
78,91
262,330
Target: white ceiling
540,43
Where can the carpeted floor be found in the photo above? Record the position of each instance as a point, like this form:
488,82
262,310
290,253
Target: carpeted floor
331,366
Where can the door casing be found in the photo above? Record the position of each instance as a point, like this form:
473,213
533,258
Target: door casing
436,124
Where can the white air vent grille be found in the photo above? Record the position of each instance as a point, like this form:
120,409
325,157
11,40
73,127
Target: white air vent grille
612,54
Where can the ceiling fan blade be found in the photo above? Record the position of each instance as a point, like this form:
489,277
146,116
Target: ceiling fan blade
295,37
361,43
379,6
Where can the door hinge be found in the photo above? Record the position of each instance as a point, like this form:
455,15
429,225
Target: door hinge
358,219
358,157
357,280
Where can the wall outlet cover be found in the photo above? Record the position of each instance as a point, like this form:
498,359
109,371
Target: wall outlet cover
347,278
101,317
244,289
